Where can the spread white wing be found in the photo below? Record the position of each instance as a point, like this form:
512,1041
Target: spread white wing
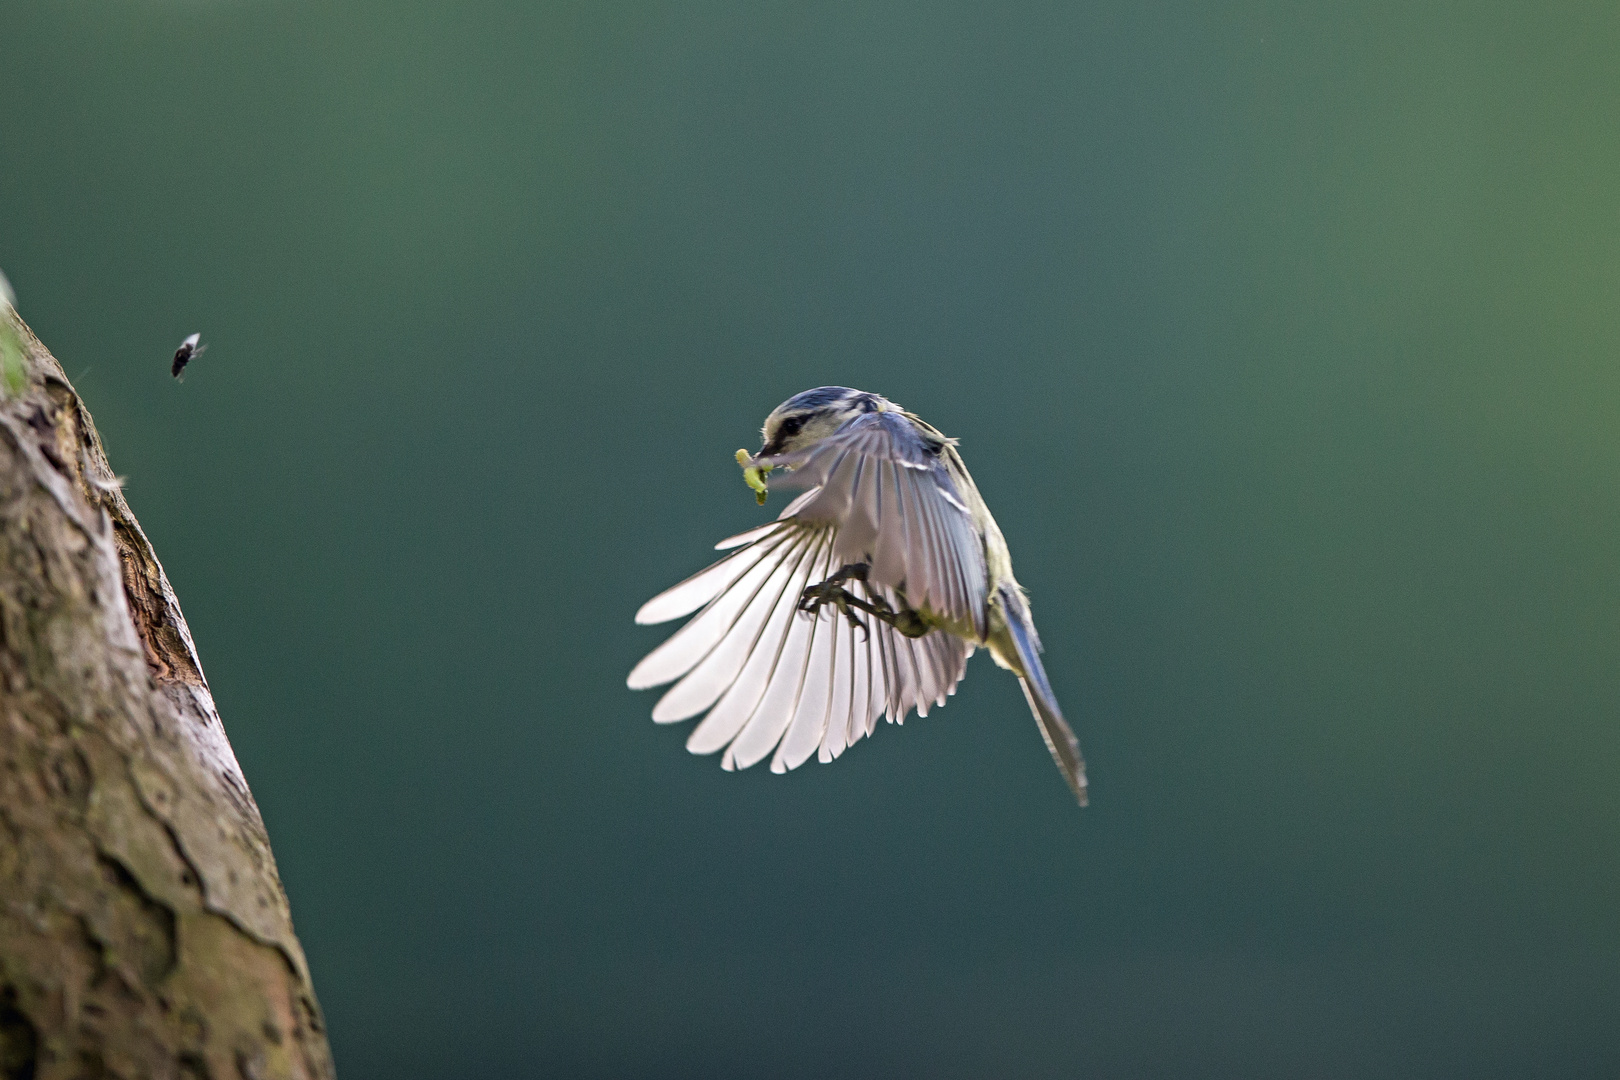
770,677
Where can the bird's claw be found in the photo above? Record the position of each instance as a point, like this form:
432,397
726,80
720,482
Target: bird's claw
832,591
816,597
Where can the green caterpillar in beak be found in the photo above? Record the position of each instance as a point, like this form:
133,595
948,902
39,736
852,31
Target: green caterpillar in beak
754,475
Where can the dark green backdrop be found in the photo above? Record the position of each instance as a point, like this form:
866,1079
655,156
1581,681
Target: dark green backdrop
1284,341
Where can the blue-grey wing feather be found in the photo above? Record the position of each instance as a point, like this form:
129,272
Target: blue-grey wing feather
897,508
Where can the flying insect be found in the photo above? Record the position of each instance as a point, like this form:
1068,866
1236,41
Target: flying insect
188,351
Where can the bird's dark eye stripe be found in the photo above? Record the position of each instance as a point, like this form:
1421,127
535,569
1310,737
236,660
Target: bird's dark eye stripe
789,427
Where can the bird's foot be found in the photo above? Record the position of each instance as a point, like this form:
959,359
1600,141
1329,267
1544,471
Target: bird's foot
832,591
816,597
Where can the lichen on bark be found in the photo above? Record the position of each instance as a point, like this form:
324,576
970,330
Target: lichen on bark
144,931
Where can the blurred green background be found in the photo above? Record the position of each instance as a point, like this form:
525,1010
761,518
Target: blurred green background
1284,341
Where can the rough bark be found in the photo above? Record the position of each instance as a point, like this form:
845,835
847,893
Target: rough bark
144,932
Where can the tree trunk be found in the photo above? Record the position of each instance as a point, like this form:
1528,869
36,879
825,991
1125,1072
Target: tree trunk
144,932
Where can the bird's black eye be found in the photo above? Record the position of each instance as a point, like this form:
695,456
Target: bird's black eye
789,427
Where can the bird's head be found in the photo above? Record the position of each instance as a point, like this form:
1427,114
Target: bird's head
805,419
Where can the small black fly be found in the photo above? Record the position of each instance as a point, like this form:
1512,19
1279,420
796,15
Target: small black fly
188,351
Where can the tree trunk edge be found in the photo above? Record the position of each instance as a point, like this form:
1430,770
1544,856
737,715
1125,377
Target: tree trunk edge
144,931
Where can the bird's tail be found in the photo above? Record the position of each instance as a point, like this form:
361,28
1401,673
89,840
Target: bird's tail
1055,730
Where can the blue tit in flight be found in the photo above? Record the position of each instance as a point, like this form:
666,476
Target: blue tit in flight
865,597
